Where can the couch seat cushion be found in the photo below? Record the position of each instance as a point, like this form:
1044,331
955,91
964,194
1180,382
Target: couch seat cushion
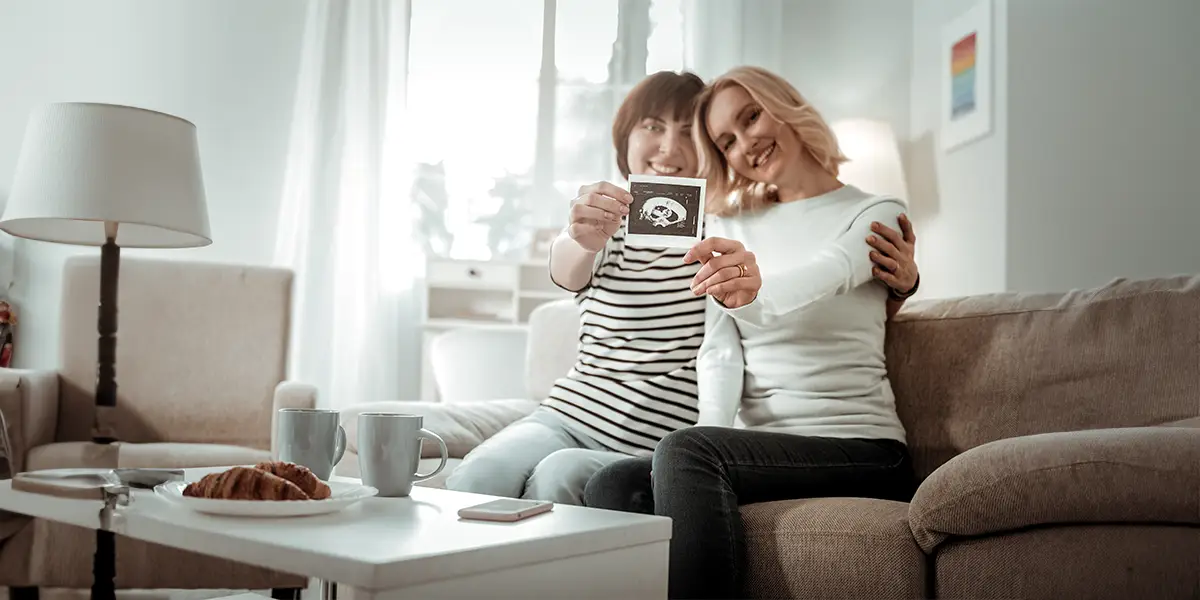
72,455
1127,475
68,455
832,548
188,455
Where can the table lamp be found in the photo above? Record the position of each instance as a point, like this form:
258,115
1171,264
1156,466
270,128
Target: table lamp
109,176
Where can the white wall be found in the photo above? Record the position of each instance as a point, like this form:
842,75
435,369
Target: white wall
1104,126
229,66
959,199
851,58
1088,174
731,33
882,60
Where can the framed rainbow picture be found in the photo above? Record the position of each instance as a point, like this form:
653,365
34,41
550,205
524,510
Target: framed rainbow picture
966,70
962,77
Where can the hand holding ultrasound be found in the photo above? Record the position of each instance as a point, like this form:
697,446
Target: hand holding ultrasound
729,273
596,214
668,212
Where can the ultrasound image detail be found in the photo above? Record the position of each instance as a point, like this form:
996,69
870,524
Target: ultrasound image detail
664,209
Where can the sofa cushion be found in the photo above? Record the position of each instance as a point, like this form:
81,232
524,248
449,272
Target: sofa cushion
1193,422
967,371
186,456
72,455
1132,475
67,455
1098,562
463,426
809,548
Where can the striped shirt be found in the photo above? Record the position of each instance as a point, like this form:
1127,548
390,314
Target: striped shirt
640,330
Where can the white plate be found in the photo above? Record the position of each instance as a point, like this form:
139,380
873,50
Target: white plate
343,495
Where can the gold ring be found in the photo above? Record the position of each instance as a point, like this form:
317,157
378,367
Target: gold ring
741,270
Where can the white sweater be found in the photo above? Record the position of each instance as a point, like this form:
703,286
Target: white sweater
806,357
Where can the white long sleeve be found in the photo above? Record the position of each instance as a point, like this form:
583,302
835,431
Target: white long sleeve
719,369
838,267
818,366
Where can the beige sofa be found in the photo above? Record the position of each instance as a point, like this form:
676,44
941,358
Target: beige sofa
1057,437
201,358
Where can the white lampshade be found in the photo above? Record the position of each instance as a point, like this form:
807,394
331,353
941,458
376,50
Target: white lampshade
874,155
82,165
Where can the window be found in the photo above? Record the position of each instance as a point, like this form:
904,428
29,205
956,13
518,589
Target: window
510,106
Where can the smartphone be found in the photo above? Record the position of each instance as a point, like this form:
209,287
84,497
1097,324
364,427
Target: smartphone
505,510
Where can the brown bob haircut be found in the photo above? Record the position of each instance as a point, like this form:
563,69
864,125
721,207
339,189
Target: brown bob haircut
651,98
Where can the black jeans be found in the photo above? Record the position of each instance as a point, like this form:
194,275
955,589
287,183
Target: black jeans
703,474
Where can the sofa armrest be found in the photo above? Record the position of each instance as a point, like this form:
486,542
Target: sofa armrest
289,394
463,426
29,401
1126,475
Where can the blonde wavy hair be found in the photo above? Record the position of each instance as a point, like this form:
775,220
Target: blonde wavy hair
730,193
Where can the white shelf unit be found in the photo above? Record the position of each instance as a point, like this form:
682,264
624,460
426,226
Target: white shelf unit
477,295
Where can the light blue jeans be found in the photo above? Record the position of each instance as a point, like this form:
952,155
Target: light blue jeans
538,458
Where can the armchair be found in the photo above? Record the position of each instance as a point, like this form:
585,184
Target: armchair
200,372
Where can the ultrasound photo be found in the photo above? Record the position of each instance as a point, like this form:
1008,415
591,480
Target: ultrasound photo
667,212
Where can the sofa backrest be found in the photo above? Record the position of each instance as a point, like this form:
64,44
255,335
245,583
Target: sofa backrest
200,349
972,370
552,347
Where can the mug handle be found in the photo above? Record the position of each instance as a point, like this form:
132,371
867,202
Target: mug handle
425,433
339,445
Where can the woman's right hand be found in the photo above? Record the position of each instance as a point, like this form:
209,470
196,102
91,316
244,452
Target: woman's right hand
596,214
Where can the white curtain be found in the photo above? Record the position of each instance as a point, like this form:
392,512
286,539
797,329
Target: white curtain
347,214
344,228
722,34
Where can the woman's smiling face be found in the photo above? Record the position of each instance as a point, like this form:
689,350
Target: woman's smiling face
756,145
662,145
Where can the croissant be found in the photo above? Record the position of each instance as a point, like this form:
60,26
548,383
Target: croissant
300,475
244,483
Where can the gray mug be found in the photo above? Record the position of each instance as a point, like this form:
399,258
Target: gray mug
389,451
313,438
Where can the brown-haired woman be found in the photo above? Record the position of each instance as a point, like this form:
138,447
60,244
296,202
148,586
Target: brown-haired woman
642,323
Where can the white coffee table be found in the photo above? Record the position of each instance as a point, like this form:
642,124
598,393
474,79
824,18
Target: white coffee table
399,548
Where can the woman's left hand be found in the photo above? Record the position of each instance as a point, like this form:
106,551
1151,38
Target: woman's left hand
729,272
893,256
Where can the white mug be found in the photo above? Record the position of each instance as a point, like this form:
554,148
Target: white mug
313,438
389,451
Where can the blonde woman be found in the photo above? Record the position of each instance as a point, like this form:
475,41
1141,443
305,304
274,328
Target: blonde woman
800,360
